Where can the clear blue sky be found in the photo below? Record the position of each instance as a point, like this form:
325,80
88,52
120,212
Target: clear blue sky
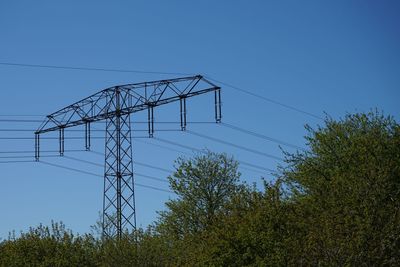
319,56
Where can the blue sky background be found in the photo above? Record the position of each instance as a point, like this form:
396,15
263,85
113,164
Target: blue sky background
318,56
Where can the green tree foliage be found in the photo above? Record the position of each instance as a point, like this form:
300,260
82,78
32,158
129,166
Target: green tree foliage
335,204
48,246
348,188
202,185
253,231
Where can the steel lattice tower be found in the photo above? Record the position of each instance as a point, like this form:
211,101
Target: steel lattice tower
115,105
119,193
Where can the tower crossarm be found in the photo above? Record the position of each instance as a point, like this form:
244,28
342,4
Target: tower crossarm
133,98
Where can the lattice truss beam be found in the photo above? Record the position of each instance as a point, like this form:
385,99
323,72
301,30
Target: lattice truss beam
139,96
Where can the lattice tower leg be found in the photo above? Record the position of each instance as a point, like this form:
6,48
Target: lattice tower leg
119,213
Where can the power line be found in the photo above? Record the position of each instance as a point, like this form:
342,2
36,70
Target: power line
256,166
150,177
261,169
162,73
56,138
92,130
17,161
97,175
21,115
152,167
133,122
71,169
227,125
253,170
203,151
265,98
166,122
139,163
147,165
42,151
164,147
90,69
56,151
262,136
22,157
171,171
178,144
19,120
101,165
101,154
235,145
17,130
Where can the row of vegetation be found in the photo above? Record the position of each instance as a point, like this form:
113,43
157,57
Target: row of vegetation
335,204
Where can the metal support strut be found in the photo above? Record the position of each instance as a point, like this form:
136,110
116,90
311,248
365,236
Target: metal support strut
37,146
218,112
61,142
87,135
150,117
183,112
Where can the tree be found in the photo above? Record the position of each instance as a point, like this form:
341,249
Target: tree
348,188
203,185
48,246
336,204
255,231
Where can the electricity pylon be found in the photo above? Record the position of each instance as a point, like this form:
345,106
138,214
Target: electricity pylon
114,105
